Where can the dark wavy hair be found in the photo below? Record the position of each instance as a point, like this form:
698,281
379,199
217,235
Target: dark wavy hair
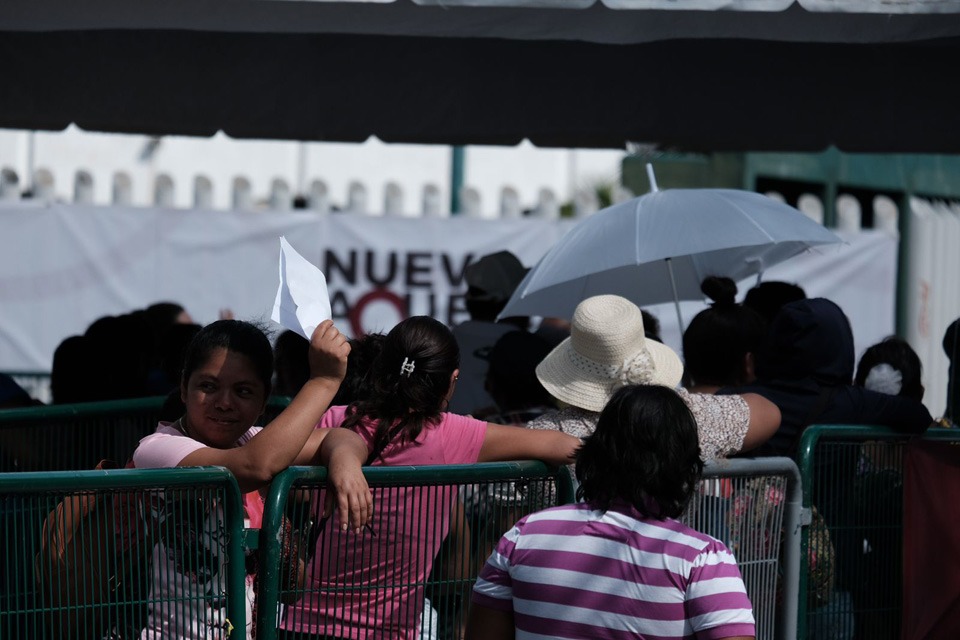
407,402
237,336
898,354
645,451
719,337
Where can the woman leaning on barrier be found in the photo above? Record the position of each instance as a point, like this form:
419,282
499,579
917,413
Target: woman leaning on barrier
403,422
225,387
618,564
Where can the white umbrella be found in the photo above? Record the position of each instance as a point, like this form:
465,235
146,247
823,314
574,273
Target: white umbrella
659,247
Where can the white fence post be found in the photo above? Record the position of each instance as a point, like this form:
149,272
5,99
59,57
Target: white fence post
430,205
470,202
547,206
886,215
44,188
356,198
83,187
811,206
393,199
9,184
202,192
122,189
163,191
849,215
279,195
319,198
241,198
510,203
585,202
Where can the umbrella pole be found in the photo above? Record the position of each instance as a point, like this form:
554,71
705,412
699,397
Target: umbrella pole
676,296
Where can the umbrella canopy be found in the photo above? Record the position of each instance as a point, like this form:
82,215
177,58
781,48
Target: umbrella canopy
631,248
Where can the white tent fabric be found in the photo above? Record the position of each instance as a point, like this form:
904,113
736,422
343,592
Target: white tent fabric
932,302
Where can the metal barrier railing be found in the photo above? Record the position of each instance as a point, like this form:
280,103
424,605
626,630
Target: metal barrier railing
71,437
440,521
412,571
96,554
853,489
754,507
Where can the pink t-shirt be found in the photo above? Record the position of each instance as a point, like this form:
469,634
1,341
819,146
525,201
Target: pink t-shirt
409,522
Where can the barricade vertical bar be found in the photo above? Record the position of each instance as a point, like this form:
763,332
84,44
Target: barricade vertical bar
268,572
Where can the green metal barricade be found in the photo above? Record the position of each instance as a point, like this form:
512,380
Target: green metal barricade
851,581
77,436
413,568
754,507
100,554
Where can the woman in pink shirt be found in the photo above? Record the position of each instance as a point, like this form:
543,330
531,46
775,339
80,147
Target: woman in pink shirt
404,422
225,387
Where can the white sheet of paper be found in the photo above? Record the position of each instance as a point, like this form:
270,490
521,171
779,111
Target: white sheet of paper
302,298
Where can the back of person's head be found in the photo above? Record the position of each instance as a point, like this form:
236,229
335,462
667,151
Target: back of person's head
161,315
809,339
721,342
410,379
123,348
356,383
767,298
892,367
173,348
236,336
491,281
71,379
645,451
651,325
291,363
951,347
512,375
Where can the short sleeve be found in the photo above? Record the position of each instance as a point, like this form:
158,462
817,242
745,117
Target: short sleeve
167,447
722,422
462,437
716,604
494,586
164,450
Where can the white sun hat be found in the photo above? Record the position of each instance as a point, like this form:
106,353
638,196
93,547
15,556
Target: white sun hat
607,349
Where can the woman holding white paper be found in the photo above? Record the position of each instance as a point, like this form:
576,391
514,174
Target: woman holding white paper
225,386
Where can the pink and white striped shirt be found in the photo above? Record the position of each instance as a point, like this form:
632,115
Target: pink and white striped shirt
576,572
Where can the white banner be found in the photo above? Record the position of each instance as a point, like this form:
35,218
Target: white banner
64,266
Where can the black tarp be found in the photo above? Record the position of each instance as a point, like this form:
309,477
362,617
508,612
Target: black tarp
694,81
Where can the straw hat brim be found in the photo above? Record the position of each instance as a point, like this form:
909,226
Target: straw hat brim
574,385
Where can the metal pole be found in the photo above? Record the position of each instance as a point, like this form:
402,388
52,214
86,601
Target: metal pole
676,296
457,161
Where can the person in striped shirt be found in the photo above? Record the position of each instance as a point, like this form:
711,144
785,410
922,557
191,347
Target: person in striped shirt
617,564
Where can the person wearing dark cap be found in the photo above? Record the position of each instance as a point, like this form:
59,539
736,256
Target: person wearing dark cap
490,283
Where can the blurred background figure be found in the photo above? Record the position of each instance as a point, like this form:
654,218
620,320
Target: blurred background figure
891,367
951,346
291,365
490,282
768,297
722,341
512,378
